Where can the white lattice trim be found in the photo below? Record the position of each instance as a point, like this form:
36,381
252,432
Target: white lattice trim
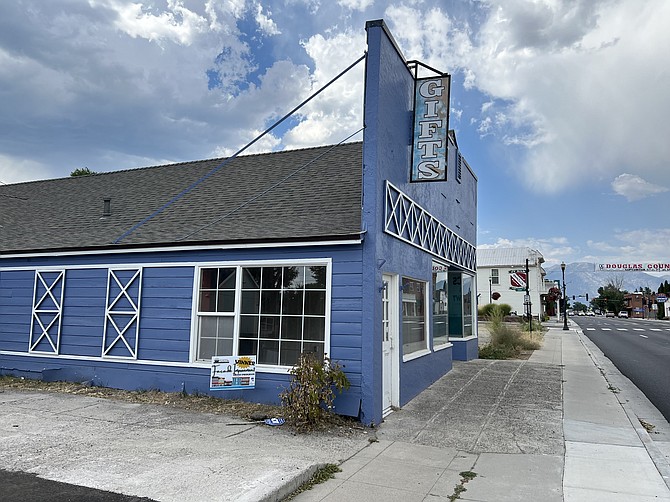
47,310
124,335
409,222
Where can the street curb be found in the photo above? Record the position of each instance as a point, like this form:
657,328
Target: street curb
283,491
660,461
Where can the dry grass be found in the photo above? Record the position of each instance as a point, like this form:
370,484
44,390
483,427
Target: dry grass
244,410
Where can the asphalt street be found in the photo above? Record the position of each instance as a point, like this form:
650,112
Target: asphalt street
640,349
25,487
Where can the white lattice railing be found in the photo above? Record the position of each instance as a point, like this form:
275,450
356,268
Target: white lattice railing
409,222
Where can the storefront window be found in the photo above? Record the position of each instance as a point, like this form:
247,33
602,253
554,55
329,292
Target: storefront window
281,313
440,321
461,305
413,316
467,305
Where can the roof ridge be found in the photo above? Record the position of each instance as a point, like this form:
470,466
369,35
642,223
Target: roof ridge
185,162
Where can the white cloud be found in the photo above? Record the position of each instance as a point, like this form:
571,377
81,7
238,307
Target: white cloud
265,23
640,245
338,111
557,66
634,188
177,24
359,5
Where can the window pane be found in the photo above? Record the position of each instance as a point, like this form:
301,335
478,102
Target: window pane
271,278
225,330
207,301
248,347
208,278
315,302
291,328
226,278
270,302
313,348
268,352
290,351
294,277
251,302
224,347
226,301
315,277
440,301
292,304
315,328
270,326
208,327
413,316
249,326
251,278
207,348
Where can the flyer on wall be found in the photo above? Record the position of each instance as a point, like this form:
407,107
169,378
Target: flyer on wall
233,373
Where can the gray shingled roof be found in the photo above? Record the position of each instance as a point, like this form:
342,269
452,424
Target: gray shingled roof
239,204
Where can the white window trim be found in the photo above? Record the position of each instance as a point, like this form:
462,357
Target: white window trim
415,355
442,346
262,368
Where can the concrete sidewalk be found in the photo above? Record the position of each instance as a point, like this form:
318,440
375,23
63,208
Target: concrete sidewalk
564,425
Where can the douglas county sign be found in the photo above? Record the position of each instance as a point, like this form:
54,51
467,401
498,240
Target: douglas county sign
633,267
431,126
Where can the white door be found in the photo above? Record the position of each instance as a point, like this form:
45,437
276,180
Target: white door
389,338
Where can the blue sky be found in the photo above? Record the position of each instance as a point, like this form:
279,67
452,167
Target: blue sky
559,106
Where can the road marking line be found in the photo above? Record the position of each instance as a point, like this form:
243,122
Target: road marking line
590,329
622,329
606,329
638,329
654,329
644,336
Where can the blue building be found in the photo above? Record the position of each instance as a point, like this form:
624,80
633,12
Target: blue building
364,252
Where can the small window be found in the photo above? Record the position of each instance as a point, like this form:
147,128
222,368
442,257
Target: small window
495,277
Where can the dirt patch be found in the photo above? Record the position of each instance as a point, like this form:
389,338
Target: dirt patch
252,412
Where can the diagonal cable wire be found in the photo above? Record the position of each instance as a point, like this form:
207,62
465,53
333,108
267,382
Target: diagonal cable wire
193,185
269,189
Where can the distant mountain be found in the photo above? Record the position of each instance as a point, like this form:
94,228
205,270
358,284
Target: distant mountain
582,278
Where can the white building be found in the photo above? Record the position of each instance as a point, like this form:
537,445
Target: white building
501,278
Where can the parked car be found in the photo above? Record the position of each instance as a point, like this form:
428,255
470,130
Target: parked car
591,313
609,314
623,314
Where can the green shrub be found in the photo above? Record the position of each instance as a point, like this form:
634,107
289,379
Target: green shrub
309,399
490,351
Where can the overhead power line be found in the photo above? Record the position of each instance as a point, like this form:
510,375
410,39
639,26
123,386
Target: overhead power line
214,170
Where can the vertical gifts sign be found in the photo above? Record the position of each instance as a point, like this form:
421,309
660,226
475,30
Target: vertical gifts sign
431,128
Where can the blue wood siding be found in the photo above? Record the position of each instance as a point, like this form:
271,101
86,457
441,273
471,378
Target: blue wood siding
83,312
16,307
166,307
165,316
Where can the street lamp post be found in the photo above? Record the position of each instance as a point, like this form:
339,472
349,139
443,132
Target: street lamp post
565,300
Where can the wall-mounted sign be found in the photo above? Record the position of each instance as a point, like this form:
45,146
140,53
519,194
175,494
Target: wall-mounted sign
633,267
517,280
431,126
233,373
